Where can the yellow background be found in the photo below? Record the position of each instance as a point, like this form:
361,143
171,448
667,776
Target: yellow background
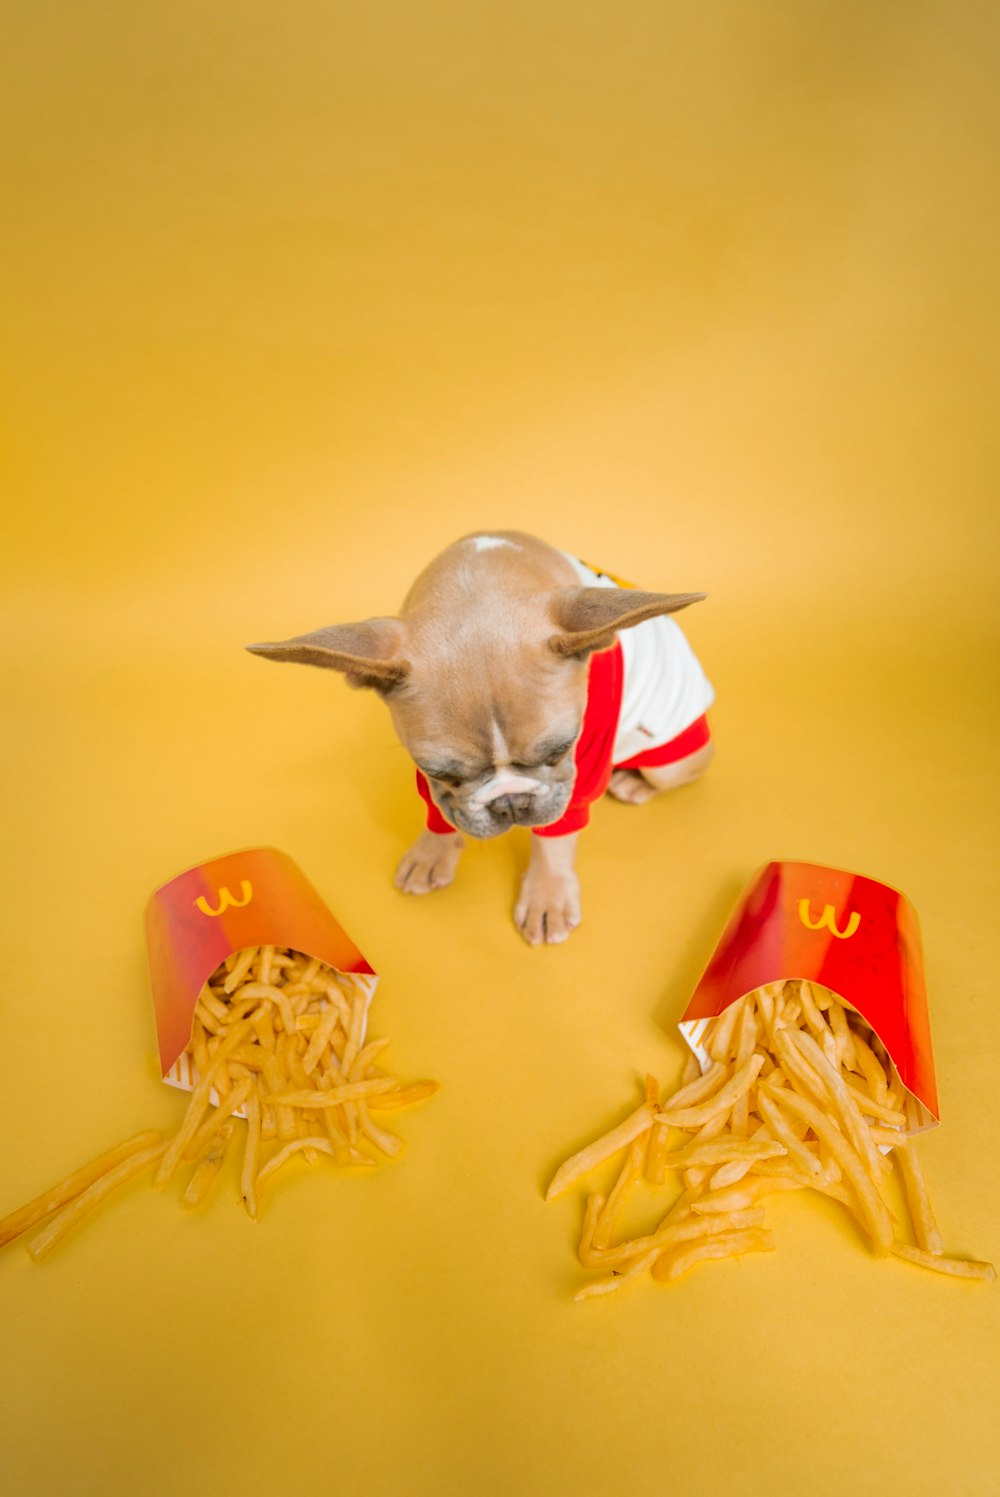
296,294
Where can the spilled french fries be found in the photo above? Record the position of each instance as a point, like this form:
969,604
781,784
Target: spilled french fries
277,1039
799,1095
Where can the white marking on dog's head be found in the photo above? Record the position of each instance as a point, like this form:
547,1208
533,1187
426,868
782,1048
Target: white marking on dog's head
490,542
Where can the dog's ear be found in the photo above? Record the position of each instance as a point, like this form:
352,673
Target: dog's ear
368,654
588,618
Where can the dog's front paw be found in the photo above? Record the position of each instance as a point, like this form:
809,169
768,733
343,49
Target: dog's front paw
548,910
430,863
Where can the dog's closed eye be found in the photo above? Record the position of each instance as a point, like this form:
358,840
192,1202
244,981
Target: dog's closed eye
547,756
450,773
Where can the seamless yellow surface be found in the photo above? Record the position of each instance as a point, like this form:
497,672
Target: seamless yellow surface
295,295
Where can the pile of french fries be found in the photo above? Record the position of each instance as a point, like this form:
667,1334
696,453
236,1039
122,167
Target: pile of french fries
277,1038
800,1095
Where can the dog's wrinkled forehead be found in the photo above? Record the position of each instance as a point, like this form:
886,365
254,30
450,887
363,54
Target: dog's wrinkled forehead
473,740
467,766
464,712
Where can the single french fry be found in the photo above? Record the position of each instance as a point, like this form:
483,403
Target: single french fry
738,1085
214,1005
337,1094
765,1005
887,1138
721,1150
698,1089
656,1151
637,1122
207,1166
249,1055
264,964
670,1265
747,1192
818,1027
621,1190
618,1277
871,1068
263,1025
206,1019
251,1155
74,1211
312,1141
58,1195
843,1035
417,1091
361,1065
198,1047
721,1038
340,1003
355,1031
592,1210
735,1169
790,1011
388,1143
244,961
745,1045
925,1228
867,1104
959,1268
325,1026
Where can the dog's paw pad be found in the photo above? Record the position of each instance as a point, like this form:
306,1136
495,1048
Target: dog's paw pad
429,865
548,910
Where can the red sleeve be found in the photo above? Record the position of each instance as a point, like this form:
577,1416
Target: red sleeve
435,821
596,743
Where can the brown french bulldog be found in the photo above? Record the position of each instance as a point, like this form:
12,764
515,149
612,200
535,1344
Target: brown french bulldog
520,700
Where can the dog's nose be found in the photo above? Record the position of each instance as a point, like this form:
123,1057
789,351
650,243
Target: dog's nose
509,807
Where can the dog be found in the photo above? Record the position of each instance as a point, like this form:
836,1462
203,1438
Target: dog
524,684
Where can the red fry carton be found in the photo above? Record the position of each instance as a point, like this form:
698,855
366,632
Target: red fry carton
258,897
852,935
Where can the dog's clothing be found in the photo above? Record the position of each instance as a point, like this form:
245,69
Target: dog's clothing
646,703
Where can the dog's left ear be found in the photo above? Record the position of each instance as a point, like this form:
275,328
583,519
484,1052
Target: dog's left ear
367,654
588,618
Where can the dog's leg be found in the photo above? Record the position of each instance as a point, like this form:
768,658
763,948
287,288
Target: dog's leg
548,908
636,786
430,863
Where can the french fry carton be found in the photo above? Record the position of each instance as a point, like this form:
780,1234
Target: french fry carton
258,897
856,937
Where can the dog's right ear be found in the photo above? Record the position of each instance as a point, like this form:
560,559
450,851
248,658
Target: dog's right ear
368,654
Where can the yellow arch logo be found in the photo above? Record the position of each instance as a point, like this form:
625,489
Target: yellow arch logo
829,919
226,899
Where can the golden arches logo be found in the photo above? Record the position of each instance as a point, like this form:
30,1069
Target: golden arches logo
226,900
828,919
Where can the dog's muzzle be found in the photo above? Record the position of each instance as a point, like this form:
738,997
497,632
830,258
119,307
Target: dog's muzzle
509,809
509,800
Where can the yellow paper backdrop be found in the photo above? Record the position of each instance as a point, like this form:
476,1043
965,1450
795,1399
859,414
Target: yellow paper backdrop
296,294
